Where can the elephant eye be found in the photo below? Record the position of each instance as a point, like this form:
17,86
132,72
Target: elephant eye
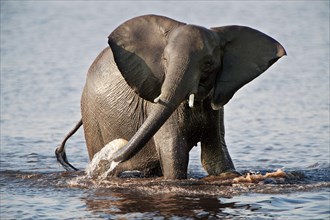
208,63
208,66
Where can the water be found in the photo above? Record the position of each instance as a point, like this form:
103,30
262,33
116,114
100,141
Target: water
280,120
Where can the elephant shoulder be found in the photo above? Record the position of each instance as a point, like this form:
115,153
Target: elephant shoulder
103,66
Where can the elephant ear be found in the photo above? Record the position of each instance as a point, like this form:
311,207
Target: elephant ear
246,54
138,46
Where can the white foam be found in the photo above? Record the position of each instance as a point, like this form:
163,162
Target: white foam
101,164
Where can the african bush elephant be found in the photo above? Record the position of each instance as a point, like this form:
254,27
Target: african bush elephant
162,85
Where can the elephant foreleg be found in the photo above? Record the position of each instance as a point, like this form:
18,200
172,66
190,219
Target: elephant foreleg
215,156
172,150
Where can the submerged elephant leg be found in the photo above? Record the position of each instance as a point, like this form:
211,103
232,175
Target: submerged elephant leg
145,161
215,156
172,150
147,170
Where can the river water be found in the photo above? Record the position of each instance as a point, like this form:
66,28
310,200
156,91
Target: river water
279,121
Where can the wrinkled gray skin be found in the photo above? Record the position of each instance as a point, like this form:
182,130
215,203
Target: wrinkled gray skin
153,56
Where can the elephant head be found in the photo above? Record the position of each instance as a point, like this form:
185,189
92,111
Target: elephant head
168,62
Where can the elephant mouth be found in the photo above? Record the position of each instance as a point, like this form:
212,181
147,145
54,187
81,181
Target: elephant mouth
204,91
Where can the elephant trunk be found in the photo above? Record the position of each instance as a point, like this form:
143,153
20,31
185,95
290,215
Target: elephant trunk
145,132
174,92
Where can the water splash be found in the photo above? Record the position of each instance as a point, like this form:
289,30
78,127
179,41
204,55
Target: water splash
277,182
102,165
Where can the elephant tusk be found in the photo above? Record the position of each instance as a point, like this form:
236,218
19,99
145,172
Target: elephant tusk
191,100
156,100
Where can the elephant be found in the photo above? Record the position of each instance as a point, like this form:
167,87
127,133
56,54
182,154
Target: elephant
162,85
